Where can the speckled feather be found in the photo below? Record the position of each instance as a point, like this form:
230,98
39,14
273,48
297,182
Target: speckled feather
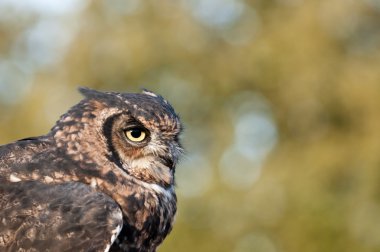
74,188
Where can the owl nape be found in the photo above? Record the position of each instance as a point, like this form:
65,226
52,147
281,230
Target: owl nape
101,180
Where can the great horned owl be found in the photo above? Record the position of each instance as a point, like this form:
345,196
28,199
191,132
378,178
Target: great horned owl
101,180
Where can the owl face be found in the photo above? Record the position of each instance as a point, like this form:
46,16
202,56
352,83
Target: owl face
146,149
139,131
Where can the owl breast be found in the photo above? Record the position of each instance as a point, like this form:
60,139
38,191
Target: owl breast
148,219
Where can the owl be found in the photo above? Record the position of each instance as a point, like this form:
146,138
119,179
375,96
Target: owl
101,180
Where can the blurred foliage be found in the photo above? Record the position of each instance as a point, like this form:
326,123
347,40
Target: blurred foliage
280,100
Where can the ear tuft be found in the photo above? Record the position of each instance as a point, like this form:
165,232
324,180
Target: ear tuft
148,92
91,93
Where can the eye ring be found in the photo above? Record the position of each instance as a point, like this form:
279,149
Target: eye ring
136,135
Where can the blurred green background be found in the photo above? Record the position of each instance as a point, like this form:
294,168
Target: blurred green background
280,99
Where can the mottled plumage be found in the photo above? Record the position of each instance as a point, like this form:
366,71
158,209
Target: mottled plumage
101,180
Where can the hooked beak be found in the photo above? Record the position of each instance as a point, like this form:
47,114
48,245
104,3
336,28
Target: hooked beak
167,161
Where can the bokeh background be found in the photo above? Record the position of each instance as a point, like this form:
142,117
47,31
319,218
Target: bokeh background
280,99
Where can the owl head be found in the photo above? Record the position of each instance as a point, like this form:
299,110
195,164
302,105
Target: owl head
136,133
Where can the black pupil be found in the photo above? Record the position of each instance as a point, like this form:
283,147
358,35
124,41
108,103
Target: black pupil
136,133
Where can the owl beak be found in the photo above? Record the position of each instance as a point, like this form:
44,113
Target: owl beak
170,159
168,162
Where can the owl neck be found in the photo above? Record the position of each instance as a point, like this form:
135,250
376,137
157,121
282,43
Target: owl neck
149,212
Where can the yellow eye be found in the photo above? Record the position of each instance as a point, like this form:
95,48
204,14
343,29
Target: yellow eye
135,134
